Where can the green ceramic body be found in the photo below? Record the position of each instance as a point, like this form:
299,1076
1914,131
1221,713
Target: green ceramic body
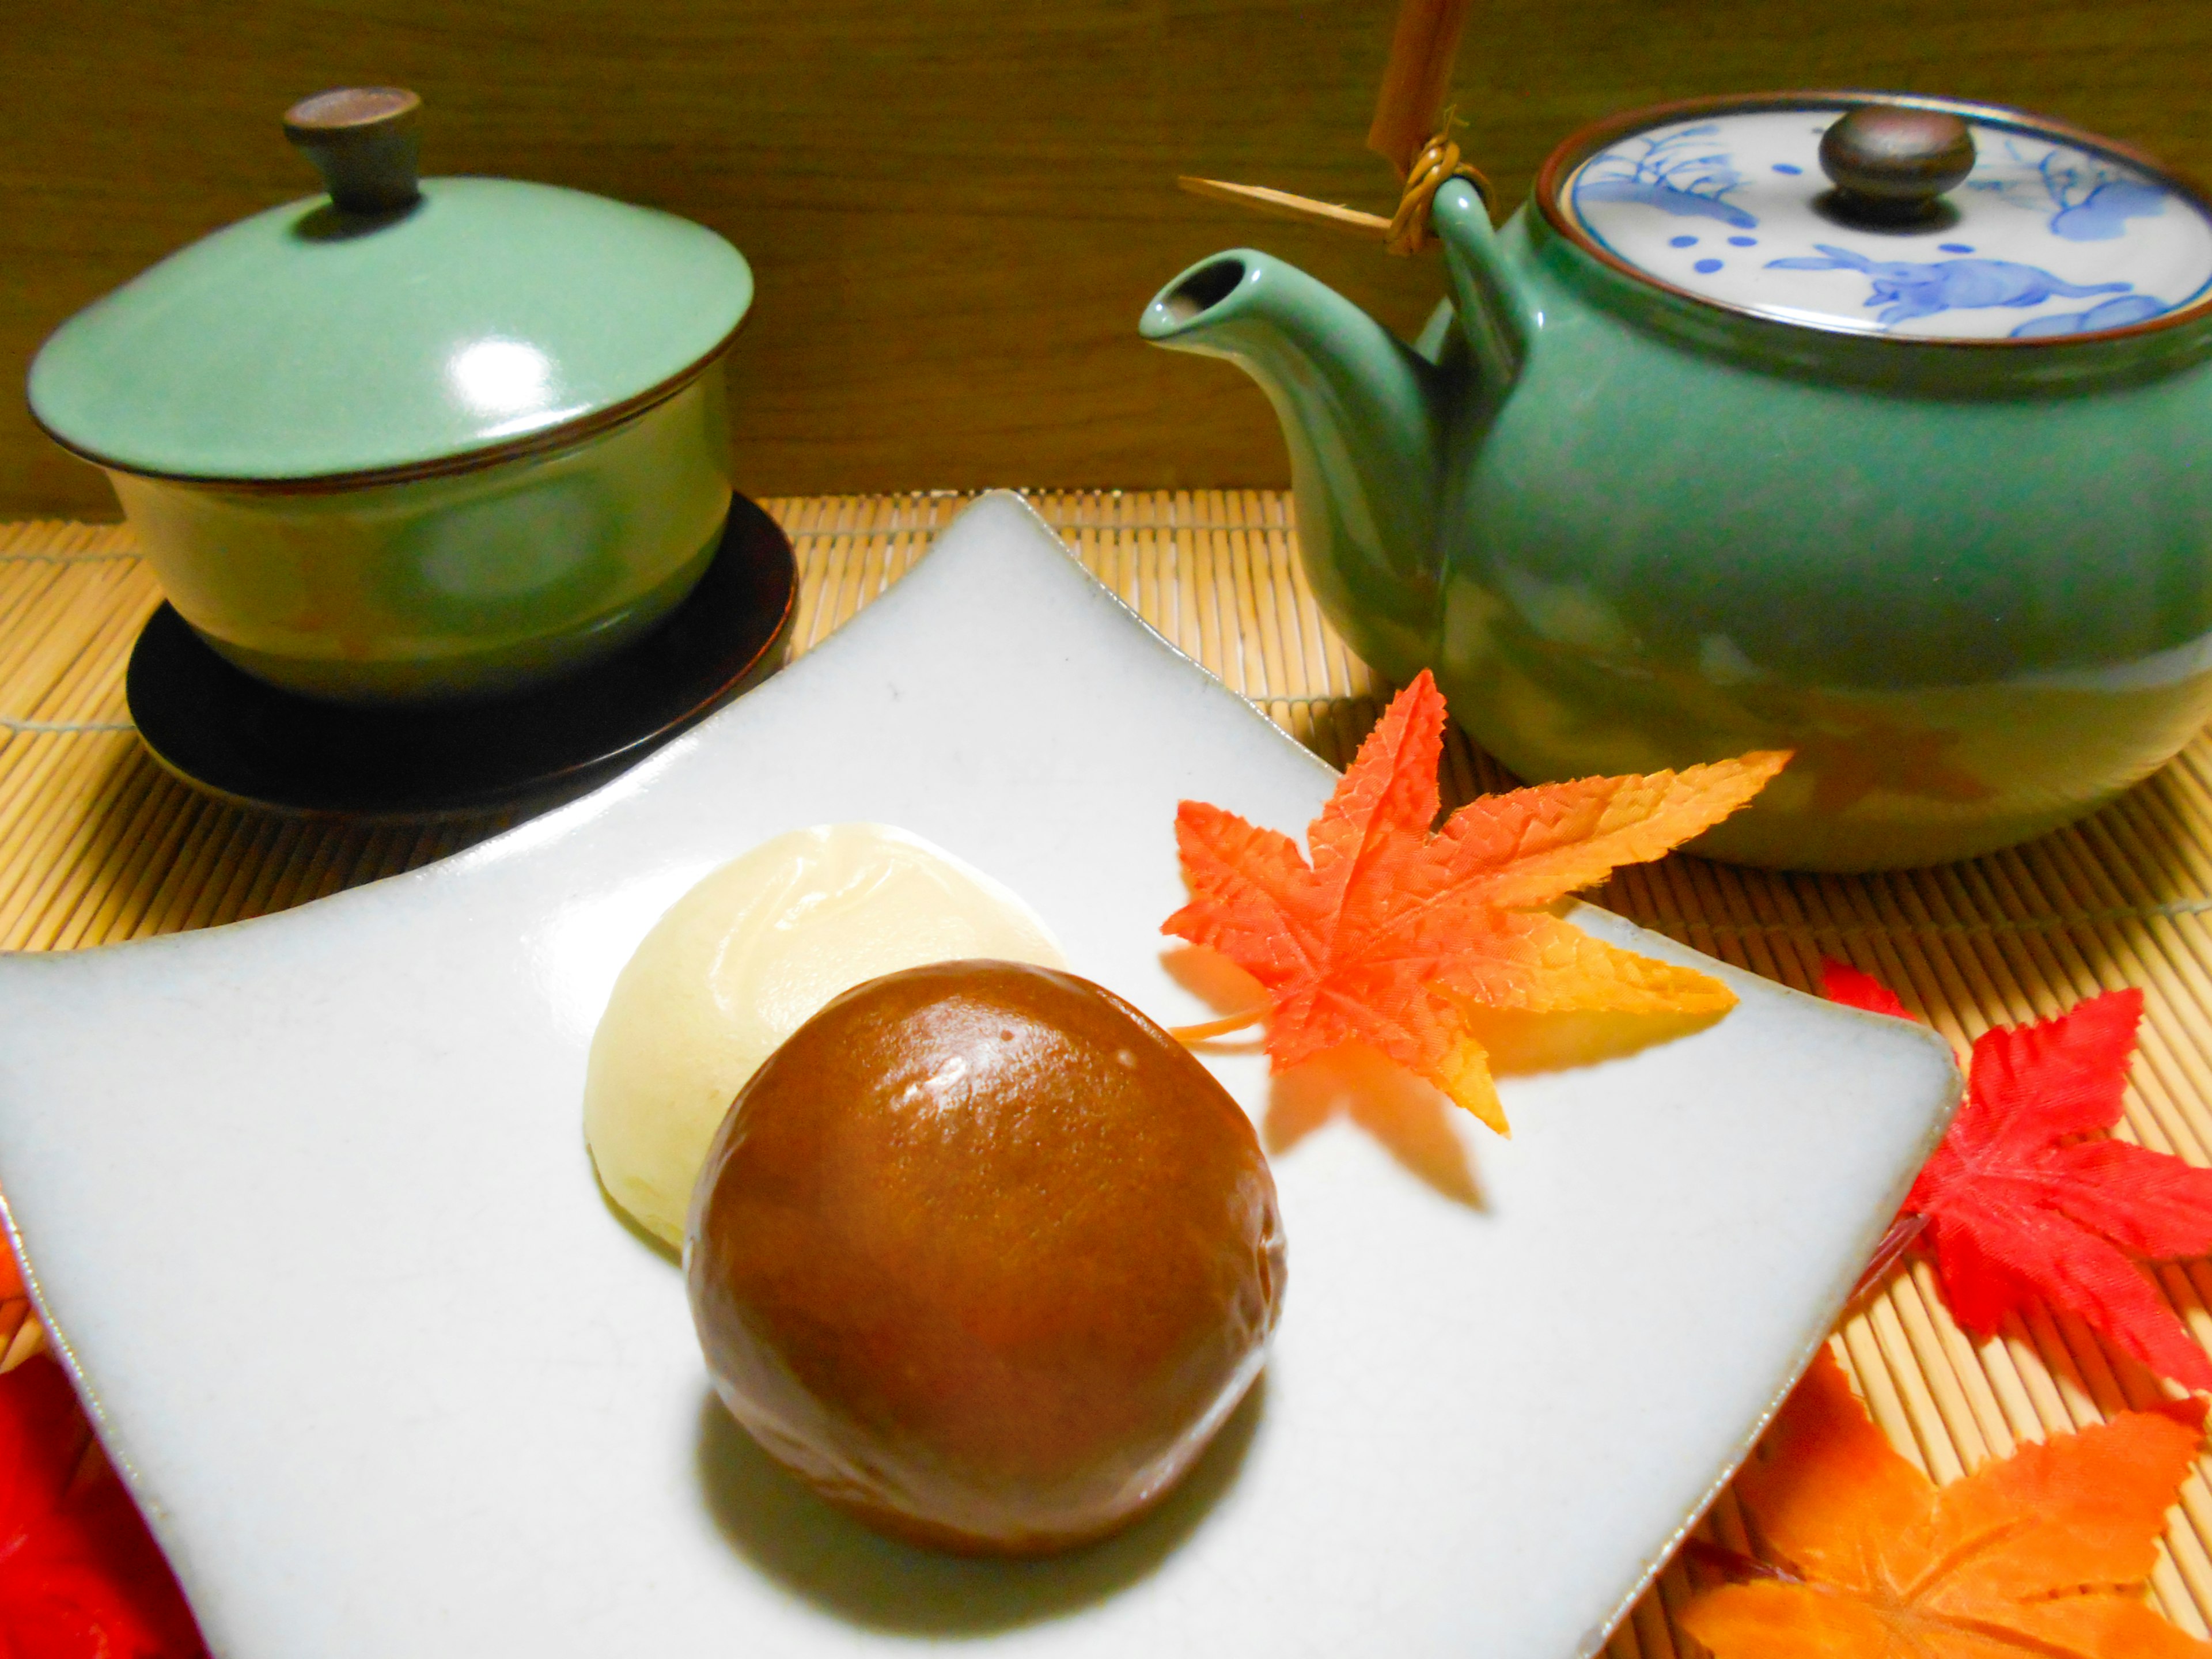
1970,586
441,451
466,585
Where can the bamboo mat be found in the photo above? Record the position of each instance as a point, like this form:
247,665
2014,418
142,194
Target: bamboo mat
98,844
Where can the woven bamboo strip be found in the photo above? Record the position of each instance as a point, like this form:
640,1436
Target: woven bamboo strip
54,539
218,898
63,849
48,774
92,888
304,873
21,757
96,844
29,588
1210,558
53,649
188,862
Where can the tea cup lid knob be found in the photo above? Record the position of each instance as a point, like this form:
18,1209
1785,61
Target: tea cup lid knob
1890,162
364,142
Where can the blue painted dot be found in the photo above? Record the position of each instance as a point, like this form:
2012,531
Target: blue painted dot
1743,241
1784,167
1954,247
1708,266
1682,242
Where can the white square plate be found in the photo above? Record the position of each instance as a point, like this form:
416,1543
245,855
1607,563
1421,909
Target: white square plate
306,1202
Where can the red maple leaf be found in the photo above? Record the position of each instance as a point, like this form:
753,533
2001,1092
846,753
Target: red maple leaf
2028,1198
20,1335
1841,982
1391,934
79,1576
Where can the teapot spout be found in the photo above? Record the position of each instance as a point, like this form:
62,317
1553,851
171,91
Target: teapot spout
1366,419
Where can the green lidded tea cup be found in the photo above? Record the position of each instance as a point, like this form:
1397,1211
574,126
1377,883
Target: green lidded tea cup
413,440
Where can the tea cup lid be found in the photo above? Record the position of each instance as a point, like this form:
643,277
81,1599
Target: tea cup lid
391,328
1912,218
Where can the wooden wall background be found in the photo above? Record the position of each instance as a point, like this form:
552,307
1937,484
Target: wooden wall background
954,207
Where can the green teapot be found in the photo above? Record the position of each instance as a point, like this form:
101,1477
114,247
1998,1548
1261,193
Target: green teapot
1877,429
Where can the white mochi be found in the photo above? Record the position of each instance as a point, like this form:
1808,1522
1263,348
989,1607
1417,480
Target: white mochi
747,956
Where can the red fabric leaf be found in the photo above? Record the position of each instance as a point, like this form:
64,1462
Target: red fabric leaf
79,1576
1841,982
2147,1204
20,1336
2019,1207
2058,1076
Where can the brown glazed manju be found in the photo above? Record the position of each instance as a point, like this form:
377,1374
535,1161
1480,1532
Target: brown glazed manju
985,1257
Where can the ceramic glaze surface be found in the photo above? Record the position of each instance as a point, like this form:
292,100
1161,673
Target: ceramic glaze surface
391,1378
1974,616
303,342
2042,238
467,585
1969,585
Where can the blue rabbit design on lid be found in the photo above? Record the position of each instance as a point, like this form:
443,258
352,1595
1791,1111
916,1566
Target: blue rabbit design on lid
2106,213
1923,288
2040,240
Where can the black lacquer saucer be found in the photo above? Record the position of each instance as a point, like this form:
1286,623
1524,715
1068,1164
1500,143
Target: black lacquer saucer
224,731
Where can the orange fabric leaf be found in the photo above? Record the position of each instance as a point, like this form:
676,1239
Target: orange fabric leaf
1530,846
2043,1554
1391,933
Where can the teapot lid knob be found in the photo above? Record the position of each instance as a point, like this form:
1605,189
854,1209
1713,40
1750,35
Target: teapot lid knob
363,141
1890,162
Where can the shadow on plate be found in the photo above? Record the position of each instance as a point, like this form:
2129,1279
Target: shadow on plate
834,1561
1519,1043
1412,1120
673,1255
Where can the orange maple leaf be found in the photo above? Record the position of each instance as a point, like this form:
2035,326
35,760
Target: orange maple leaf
1391,934
2041,1554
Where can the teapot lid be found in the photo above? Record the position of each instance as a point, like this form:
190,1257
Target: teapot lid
1906,217
390,329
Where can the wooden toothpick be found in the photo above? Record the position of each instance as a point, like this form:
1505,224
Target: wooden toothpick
1410,131
1281,204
